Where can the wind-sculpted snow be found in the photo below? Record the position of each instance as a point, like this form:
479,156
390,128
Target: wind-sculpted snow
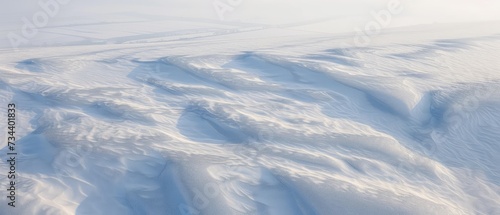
194,127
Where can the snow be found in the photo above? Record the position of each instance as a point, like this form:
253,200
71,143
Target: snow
211,118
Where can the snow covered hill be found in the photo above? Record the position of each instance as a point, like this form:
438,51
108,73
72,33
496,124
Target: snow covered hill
255,120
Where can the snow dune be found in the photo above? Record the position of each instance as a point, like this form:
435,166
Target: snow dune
268,121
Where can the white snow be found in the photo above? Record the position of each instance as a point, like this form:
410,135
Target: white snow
214,118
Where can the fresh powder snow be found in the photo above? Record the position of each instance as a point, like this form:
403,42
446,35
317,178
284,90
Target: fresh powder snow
133,114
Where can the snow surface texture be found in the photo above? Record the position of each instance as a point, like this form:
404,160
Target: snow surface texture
257,121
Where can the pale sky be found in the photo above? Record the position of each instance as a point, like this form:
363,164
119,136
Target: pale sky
269,11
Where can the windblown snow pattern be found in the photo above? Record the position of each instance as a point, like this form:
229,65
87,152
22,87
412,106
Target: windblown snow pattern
224,119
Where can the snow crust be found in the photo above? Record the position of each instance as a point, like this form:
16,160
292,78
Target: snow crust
256,121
